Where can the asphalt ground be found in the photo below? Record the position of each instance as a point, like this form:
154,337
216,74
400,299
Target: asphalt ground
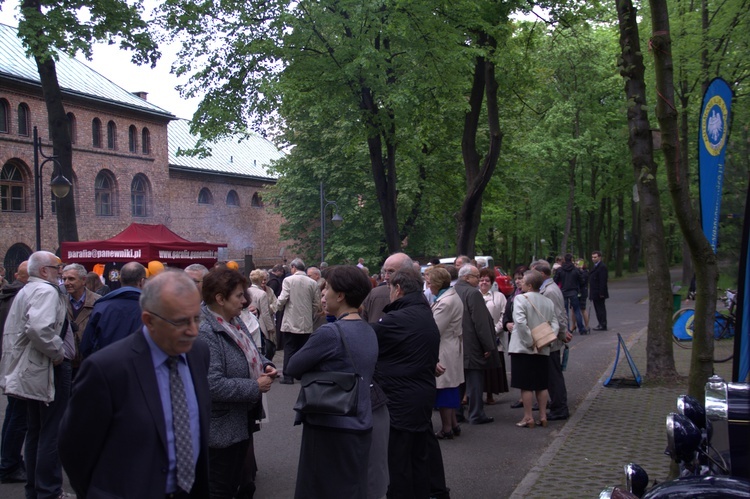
575,458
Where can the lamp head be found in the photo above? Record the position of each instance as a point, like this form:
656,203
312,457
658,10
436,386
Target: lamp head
337,220
60,186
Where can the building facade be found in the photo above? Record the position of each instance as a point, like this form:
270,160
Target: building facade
127,167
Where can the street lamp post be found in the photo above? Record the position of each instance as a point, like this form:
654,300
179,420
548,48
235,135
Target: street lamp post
60,185
336,219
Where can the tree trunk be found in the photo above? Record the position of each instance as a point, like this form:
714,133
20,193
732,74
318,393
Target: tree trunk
477,177
635,237
704,258
571,202
383,170
57,119
659,354
620,236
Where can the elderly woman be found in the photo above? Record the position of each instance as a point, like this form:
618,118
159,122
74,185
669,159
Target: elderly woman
335,450
529,366
495,380
267,318
448,312
237,376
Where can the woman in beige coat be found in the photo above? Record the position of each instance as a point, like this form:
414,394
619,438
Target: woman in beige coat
448,311
529,366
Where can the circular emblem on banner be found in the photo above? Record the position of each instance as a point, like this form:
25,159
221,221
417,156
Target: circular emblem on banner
713,124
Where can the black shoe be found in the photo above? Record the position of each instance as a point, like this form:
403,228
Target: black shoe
484,420
516,405
288,380
584,332
18,476
557,417
460,417
600,328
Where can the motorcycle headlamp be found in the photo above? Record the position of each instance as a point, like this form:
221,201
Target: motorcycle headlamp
691,408
683,437
636,479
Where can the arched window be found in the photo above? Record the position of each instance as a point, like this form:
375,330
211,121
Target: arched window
23,119
96,132
205,196
111,135
132,139
145,141
257,201
16,254
72,127
12,188
4,116
104,193
139,196
232,198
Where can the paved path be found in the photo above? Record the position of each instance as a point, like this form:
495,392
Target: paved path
574,458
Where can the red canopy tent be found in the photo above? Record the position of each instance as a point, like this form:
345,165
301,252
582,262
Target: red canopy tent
141,243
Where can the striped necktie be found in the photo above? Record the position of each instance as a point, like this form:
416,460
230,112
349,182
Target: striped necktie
183,443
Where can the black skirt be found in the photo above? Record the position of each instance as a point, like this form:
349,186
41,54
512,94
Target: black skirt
529,371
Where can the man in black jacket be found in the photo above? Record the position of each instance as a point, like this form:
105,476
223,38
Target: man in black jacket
598,291
409,340
570,279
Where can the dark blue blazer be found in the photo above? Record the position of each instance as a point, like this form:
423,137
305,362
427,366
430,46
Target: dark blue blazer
113,437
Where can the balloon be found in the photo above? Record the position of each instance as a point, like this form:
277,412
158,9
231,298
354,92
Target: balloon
154,268
232,265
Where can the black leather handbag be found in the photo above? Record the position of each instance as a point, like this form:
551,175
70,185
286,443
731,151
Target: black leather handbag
330,392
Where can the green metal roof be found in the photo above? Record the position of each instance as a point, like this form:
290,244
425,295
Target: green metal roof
244,156
75,77
248,157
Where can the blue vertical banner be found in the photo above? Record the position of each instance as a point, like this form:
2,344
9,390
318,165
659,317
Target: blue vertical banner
713,132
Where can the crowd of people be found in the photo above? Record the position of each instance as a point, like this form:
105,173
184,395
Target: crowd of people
178,361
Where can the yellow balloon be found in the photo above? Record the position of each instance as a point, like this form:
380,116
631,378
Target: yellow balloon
232,265
155,267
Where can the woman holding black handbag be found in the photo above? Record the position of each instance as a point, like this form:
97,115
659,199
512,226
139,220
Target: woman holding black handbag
348,345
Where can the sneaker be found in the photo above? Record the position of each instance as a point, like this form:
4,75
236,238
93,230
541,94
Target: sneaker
18,476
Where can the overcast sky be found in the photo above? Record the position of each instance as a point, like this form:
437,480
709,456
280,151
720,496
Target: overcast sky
115,65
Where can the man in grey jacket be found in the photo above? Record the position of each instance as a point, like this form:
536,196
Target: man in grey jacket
38,346
558,393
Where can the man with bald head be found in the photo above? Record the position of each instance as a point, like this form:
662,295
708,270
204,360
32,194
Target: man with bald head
379,297
38,346
12,469
116,314
137,423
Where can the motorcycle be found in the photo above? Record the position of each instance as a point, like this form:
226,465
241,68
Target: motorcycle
711,445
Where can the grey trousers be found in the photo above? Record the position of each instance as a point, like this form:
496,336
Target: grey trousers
558,394
475,390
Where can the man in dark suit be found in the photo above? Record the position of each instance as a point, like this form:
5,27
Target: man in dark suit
480,352
598,291
119,436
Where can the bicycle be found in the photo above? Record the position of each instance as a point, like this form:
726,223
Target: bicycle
724,324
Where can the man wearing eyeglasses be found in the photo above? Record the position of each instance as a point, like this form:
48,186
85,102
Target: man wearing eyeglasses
138,420
38,346
116,314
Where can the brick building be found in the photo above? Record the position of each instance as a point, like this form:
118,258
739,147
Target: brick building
126,167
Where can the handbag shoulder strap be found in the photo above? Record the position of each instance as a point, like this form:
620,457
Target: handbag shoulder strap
532,304
346,345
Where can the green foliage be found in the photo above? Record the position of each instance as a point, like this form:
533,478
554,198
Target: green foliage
73,26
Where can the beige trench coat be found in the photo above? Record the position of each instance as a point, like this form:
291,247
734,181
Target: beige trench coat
448,312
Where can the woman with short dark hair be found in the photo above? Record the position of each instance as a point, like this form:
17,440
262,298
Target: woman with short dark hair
237,376
347,345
